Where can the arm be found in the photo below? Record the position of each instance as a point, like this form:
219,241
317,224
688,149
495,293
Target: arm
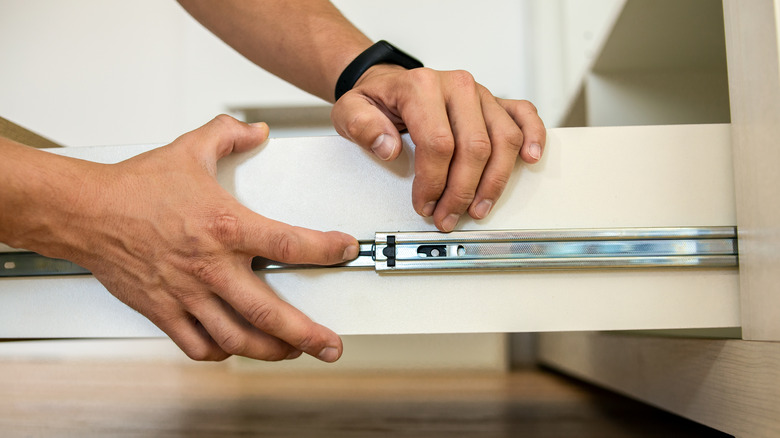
307,43
467,139
163,237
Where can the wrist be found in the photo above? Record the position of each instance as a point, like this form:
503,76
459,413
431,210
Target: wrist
376,71
40,195
378,54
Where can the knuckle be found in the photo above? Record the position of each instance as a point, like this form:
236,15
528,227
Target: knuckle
521,107
209,272
461,197
198,354
285,246
228,124
513,138
225,120
356,125
192,300
463,79
264,316
478,148
306,341
485,94
178,327
204,352
224,228
441,146
233,343
423,76
429,185
273,356
496,182
527,106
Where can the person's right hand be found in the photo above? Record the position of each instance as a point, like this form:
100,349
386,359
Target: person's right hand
467,140
163,237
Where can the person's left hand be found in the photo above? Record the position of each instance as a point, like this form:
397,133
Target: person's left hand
467,140
162,236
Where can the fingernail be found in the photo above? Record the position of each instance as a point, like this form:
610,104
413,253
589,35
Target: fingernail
328,354
383,146
449,222
535,151
483,208
428,208
294,355
351,253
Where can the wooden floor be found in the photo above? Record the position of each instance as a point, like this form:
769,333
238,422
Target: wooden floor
214,400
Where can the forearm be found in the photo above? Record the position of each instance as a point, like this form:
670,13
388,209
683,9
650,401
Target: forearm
305,42
38,192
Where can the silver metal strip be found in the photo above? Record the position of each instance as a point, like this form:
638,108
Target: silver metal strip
564,249
706,261
557,249
30,264
494,250
564,234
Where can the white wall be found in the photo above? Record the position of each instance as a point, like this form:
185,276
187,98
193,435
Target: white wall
564,38
87,72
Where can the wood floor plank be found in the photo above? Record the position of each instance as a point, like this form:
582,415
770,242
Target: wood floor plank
205,400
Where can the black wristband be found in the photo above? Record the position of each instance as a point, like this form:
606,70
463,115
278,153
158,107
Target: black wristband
380,53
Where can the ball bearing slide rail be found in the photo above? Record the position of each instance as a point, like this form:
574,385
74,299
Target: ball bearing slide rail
406,252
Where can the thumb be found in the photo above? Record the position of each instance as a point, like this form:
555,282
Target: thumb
358,119
224,135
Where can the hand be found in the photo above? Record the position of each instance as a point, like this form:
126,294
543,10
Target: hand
161,234
467,140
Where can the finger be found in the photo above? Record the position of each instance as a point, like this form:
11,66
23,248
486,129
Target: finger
257,303
222,136
285,243
506,139
167,313
472,150
234,335
527,118
424,112
356,117
188,334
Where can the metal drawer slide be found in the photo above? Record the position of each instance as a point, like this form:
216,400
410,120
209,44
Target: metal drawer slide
679,247
557,249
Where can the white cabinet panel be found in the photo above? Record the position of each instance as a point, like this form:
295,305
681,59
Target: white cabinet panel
590,178
754,86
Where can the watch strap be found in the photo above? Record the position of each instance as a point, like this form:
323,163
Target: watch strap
380,53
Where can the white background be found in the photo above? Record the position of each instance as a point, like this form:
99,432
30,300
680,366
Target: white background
98,72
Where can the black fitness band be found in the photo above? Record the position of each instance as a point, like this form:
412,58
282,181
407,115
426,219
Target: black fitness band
380,53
